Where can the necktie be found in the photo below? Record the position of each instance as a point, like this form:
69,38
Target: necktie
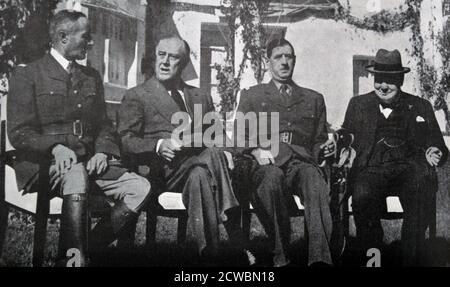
71,70
284,92
387,106
179,100
395,105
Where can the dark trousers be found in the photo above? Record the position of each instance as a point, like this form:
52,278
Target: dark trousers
274,185
205,183
306,181
263,186
414,182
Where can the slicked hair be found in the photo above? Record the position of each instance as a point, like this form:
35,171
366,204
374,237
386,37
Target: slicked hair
63,21
279,42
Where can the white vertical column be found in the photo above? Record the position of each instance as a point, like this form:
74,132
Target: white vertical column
132,73
106,62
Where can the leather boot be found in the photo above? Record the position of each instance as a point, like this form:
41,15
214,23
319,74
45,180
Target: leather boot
127,236
112,227
72,251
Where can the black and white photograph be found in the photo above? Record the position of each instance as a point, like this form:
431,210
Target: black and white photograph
225,135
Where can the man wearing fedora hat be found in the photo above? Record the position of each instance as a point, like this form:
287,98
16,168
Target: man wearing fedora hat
398,143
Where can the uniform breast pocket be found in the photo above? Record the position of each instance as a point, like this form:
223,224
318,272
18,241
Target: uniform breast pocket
307,123
88,91
89,98
50,105
89,107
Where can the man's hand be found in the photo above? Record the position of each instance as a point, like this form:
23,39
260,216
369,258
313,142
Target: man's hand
168,148
64,159
98,163
347,157
329,148
263,157
433,155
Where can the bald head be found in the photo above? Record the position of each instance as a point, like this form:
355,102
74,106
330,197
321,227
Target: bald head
172,56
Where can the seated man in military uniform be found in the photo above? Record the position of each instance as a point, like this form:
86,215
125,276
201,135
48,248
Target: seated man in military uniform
294,170
57,122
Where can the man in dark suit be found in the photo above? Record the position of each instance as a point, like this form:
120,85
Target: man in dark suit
294,170
398,143
57,122
148,126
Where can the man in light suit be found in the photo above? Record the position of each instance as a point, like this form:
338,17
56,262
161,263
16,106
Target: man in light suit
294,171
199,173
398,144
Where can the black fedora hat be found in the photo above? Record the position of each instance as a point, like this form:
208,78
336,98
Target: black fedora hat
388,62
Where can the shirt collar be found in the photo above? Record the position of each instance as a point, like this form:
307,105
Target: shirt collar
179,91
397,103
60,59
278,85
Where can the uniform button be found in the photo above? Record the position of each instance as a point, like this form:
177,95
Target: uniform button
79,105
75,92
289,123
51,92
289,109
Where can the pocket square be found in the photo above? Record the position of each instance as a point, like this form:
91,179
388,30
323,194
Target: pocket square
419,119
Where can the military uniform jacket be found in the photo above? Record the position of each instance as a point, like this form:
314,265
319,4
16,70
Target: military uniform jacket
422,128
303,116
44,102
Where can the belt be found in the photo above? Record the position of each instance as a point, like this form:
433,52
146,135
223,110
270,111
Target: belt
76,128
286,137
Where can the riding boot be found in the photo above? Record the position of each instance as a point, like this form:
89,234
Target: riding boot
127,236
111,227
72,250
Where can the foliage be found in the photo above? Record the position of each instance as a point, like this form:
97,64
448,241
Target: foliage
442,87
433,84
443,46
383,21
253,35
13,16
248,15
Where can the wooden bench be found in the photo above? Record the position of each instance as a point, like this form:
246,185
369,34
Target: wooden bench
170,204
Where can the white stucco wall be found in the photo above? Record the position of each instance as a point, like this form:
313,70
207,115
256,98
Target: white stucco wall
325,50
189,27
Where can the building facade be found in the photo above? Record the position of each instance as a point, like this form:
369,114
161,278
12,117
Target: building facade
331,55
118,32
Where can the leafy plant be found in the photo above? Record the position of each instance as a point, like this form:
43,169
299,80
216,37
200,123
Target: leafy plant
13,17
433,83
250,16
